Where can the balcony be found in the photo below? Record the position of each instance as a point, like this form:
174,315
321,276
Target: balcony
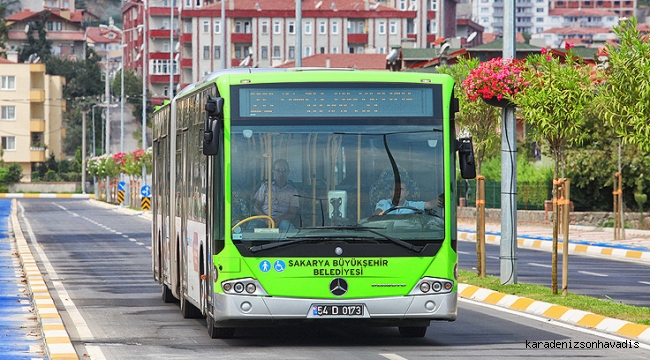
186,38
37,95
37,154
164,78
357,38
186,63
37,126
241,38
161,33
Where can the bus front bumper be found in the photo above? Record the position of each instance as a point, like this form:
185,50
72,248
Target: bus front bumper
231,310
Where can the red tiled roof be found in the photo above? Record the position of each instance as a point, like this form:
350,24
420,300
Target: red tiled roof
347,5
100,35
5,61
75,17
353,61
577,31
580,12
489,37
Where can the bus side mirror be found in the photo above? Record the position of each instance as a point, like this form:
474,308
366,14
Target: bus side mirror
466,158
212,126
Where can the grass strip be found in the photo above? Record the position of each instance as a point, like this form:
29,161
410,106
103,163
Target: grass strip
605,307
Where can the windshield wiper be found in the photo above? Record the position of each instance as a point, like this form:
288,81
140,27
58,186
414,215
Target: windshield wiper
302,238
414,248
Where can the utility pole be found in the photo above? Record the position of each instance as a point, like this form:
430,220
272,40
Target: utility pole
83,151
508,247
107,95
298,33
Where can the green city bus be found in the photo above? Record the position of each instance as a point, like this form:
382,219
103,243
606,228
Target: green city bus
325,148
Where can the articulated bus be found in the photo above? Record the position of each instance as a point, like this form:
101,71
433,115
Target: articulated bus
347,142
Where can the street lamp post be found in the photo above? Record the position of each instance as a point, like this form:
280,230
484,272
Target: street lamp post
122,45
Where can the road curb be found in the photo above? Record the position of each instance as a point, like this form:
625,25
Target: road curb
46,196
556,312
546,244
56,340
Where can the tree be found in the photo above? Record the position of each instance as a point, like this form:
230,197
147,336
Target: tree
4,31
554,103
132,91
625,97
39,46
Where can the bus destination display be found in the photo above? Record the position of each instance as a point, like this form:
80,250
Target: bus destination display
341,102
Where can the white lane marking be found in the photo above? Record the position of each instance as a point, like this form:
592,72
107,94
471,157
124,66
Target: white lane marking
132,239
540,265
493,257
392,357
78,321
463,252
554,322
644,282
593,273
139,243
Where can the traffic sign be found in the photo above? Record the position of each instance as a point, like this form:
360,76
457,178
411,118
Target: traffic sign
121,185
145,191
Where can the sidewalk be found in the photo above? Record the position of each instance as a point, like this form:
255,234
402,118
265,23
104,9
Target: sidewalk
582,239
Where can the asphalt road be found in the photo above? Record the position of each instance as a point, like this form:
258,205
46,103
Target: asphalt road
604,278
96,262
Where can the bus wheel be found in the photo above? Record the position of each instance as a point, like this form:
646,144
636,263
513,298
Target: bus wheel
413,331
217,332
188,310
167,295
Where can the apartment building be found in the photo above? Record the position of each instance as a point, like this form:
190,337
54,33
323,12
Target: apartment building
64,29
195,41
31,114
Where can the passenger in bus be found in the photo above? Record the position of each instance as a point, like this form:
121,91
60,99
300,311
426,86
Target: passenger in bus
385,204
284,197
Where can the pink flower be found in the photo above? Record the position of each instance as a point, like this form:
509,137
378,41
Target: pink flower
568,45
497,78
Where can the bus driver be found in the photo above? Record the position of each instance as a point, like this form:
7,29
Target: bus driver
284,197
386,204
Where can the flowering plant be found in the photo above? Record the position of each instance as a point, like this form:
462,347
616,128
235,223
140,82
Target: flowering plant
498,78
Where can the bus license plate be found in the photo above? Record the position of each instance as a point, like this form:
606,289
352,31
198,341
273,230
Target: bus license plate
337,310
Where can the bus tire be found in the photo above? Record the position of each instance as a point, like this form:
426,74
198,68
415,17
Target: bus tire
413,331
167,295
188,310
218,332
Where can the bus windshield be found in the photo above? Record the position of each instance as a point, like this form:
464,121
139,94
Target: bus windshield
319,183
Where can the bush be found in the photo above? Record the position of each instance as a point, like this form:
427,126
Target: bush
51,176
4,189
36,176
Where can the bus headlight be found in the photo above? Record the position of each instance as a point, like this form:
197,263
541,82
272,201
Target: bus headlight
243,287
430,286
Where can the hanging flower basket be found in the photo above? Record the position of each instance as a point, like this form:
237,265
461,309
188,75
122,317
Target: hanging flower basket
497,81
503,102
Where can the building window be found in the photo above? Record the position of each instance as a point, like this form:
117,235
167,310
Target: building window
238,52
165,46
308,27
292,52
9,143
381,28
8,82
188,27
433,5
165,25
322,29
382,50
265,52
265,27
335,27
238,27
276,52
166,91
217,27
277,28
335,50
393,27
292,27
307,51
322,50
206,53
8,112
217,52
54,26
